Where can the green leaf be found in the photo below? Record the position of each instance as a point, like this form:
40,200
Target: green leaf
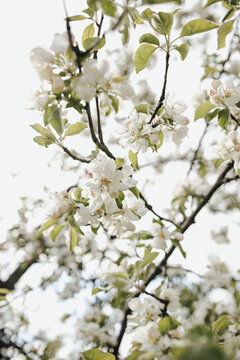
119,162
133,158
162,22
52,116
115,103
149,38
108,7
197,26
42,141
45,132
47,224
202,110
146,14
143,55
223,118
211,2
223,31
77,18
238,104
75,129
55,231
166,324
92,5
135,191
212,114
183,50
88,33
96,354
89,42
217,162
73,239
221,324
229,14
142,108
4,291
96,290
161,1
74,225
179,246
161,138
148,257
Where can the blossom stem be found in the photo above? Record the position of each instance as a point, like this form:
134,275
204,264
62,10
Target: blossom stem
194,158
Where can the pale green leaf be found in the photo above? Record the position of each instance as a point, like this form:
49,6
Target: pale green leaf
73,239
108,7
161,1
96,290
142,108
183,50
89,42
211,2
119,162
143,55
133,158
149,38
96,354
197,26
55,231
166,324
52,116
88,32
221,324
223,31
4,291
148,258
77,18
162,22
40,140
75,129
146,14
47,224
202,110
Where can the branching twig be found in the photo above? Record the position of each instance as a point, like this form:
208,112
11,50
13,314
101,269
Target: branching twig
74,157
197,149
163,301
162,97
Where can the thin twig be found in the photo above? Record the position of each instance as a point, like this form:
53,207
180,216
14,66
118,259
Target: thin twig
149,207
163,301
162,97
197,149
74,157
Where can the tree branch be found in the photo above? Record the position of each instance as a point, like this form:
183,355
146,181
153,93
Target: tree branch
18,273
158,269
162,97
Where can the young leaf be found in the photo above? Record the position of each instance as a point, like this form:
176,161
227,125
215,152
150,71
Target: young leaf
133,158
143,55
96,354
223,118
202,110
42,141
55,231
221,324
73,239
89,42
223,31
77,18
149,38
96,290
166,324
183,50
148,258
162,22
108,7
47,224
142,108
210,2
52,116
119,162
88,33
146,14
135,191
75,129
197,26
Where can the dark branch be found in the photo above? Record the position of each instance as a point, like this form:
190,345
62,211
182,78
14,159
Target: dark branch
162,97
197,149
18,273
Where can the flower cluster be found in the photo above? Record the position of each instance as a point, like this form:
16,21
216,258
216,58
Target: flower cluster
226,94
229,148
138,134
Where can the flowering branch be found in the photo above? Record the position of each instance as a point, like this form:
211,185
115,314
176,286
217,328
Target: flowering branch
158,269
